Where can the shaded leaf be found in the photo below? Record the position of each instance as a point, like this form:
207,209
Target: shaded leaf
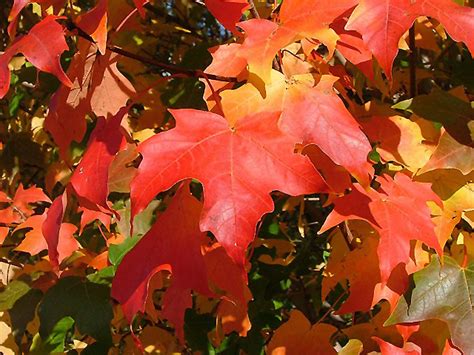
228,12
86,302
450,154
398,212
170,246
452,112
43,55
442,292
297,336
90,179
54,343
12,293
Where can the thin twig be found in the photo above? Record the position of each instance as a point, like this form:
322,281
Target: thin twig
347,234
331,308
10,262
441,55
174,69
413,62
253,9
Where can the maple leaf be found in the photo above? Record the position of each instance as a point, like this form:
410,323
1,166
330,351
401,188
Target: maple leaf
311,19
375,326
140,6
263,39
337,178
228,12
442,292
88,216
43,55
297,336
383,22
398,212
19,208
225,279
19,5
307,17
121,170
454,113
170,246
389,349
35,241
94,23
317,115
98,86
238,166
225,62
313,115
51,228
450,154
3,233
360,267
450,350
90,179
399,139
352,46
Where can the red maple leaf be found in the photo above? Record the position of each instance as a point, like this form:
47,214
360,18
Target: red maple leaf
239,166
44,55
228,12
18,208
90,179
94,23
172,244
98,86
317,115
383,22
398,212
19,5
51,228
35,240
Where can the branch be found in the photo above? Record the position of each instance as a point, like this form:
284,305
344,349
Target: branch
10,262
413,60
170,18
253,9
173,69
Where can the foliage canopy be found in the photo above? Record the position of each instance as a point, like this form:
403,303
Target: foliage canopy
233,176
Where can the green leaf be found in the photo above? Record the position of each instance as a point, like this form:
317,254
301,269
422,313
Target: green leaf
439,106
12,293
54,343
14,104
118,251
141,223
86,302
353,347
444,292
23,312
103,276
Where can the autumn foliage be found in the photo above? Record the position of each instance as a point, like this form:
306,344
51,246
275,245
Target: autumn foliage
237,177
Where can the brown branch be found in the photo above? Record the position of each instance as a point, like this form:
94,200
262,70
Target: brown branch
347,234
173,69
253,9
442,54
331,308
10,262
413,62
